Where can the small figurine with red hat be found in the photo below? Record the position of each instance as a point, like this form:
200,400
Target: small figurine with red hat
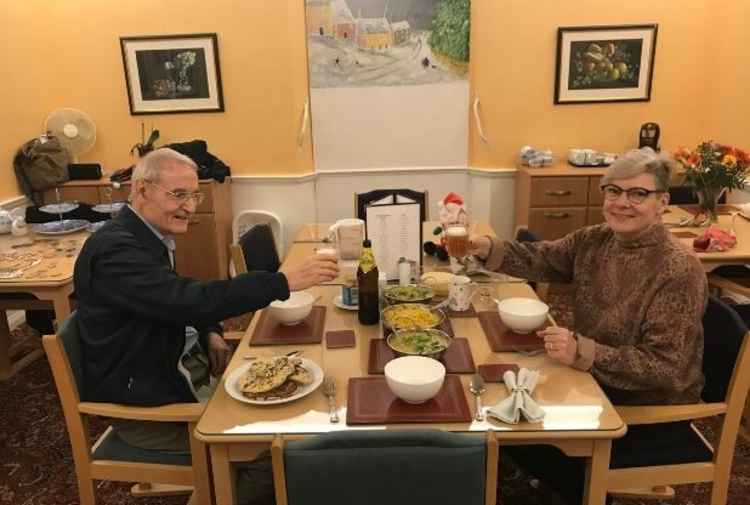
451,211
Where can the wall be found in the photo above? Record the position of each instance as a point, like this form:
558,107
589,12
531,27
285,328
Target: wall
60,61
513,70
57,60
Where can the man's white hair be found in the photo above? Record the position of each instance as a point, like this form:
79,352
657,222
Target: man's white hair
150,166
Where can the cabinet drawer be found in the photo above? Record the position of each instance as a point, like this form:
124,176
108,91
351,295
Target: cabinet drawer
84,194
595,216
595,194
559,191
196,252
556,222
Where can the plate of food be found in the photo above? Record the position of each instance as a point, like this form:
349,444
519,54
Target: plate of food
60,227
411,316
411,293
270,381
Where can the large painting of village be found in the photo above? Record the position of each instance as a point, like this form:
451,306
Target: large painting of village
356,43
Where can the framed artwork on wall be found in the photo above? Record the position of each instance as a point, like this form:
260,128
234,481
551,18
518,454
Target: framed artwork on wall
168,74
597,64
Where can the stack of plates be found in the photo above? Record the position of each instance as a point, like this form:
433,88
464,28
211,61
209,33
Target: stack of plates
60,227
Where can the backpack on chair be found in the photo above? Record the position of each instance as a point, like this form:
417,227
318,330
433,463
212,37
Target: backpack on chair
39,164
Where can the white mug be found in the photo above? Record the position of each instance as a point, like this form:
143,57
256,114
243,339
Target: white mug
577,156
462,290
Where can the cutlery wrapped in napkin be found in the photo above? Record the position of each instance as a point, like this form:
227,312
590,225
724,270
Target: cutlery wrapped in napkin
714,239
519,402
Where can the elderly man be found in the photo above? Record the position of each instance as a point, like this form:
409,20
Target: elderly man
148,333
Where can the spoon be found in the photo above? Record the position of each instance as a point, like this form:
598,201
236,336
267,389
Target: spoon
476,387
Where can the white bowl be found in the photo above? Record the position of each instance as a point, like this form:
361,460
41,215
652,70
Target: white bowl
292,310
523,315
414,379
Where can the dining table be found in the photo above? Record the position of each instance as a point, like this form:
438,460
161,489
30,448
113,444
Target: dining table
38,265
729,219
579,419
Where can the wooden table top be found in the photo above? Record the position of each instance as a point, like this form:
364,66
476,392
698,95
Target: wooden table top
733,222
38,260
576,407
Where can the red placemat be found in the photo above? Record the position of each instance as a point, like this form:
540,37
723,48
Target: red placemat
370,401
269,331
457,358
494,372
503,339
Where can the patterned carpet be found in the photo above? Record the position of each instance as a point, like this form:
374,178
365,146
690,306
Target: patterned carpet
36,466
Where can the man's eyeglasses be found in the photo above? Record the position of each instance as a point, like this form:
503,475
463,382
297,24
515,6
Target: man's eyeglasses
181,195
634,195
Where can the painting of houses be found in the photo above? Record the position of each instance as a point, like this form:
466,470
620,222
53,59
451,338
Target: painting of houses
381,42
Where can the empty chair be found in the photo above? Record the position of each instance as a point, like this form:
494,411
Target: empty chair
389,196
249,218
684,456
259,250
386,467
109,458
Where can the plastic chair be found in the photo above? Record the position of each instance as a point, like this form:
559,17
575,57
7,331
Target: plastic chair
394,467
726,366
246,219
109,458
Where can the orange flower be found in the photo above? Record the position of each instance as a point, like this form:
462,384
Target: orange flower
729,160
693,159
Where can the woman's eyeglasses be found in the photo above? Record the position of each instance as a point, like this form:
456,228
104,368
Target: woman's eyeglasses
181,195
634,195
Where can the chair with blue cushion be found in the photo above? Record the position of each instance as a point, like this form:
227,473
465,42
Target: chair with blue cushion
375,467
109,458
684,456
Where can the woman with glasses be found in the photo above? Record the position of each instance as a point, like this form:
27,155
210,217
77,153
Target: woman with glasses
639,299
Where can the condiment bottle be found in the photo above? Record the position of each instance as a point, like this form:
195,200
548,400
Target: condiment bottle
367,282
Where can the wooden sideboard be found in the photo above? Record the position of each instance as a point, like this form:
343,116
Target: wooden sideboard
554,201
203,252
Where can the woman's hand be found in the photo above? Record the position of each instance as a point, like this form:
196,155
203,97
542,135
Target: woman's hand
480,245
560,344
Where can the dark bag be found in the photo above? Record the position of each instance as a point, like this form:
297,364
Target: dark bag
209,166
40,164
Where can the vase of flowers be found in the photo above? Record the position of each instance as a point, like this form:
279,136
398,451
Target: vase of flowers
711,170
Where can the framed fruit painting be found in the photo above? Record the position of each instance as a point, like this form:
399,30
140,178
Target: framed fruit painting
605,63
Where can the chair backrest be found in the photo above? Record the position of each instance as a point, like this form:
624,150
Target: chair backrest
524,235
362,200
684,195
394,467
723,333
259,249
246,219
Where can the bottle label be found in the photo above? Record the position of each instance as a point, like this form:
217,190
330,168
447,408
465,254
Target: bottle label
366,261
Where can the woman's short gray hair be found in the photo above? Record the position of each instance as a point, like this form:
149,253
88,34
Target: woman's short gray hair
641,161
150,166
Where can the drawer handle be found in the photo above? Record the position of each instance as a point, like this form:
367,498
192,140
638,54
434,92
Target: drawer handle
558,192
556,215
194,220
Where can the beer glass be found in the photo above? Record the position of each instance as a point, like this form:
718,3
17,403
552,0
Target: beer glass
457,240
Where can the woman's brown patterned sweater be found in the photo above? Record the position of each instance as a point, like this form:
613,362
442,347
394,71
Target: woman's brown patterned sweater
638,307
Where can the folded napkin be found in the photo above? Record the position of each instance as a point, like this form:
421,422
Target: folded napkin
714,239
520,401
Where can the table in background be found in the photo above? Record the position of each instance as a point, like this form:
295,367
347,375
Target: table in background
580,419
51,281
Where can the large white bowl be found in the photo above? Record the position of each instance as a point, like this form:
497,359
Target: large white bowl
523,315
292,310
414,379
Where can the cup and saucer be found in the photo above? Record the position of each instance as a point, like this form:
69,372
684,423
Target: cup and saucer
338,301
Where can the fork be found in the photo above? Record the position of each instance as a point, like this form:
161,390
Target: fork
329,390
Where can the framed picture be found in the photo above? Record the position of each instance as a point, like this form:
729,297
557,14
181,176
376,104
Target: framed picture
172,73
605,63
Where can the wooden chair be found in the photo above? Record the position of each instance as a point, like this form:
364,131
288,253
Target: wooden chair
109,458
362,200
726,365
389,466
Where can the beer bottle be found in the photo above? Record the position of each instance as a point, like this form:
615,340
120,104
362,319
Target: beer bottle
367,281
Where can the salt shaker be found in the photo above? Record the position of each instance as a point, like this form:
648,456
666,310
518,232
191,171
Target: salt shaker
404,272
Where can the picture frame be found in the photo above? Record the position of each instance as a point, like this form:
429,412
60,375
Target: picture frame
601,64
170,74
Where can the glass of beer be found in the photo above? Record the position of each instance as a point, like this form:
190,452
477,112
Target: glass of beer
457,240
